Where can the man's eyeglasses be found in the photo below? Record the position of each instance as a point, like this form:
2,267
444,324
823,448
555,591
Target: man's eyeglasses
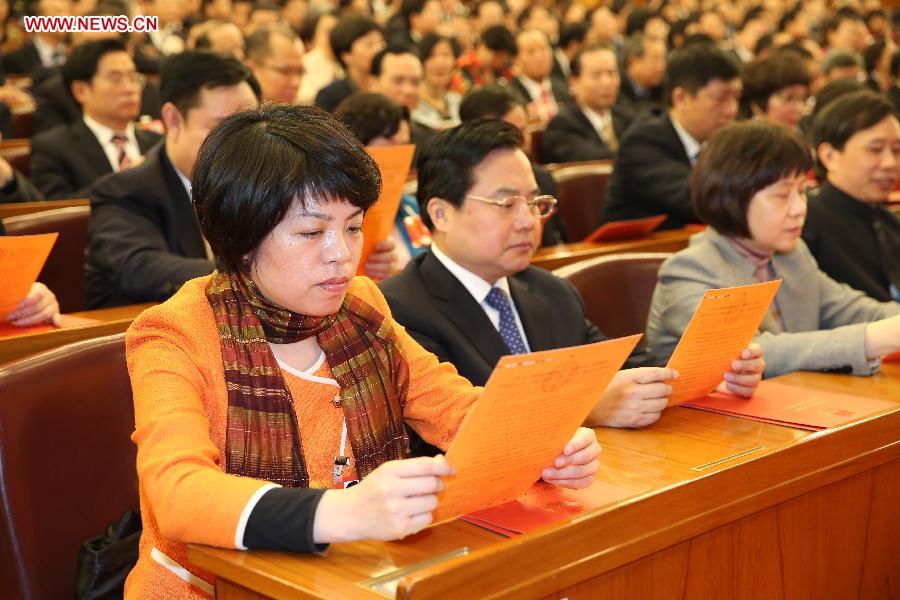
539,206
120,79
285,71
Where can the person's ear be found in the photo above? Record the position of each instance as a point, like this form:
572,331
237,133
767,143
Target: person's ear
678,96
80,91
827,155
438,210
172,119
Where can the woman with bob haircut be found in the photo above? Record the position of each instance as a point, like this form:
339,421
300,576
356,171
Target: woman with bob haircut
262,392
750,187
776,88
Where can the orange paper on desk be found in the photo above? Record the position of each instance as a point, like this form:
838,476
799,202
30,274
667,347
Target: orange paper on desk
531,406
21,259
394,163
722,326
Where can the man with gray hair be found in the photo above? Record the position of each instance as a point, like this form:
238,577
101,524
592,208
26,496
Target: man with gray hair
842,64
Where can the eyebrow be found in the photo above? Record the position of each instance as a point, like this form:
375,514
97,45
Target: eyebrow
514,192
324,217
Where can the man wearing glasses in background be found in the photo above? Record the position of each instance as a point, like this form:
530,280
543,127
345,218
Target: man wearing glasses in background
473,297
66,159
275,56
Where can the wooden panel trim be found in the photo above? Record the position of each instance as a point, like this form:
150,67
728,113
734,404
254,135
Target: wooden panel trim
567,554
14,347
16,209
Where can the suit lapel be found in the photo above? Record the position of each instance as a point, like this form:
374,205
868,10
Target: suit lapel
184,221
145,140
88,144
584,123
461,308
674,141
534,311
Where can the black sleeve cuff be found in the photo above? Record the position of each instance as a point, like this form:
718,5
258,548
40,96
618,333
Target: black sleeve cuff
283,520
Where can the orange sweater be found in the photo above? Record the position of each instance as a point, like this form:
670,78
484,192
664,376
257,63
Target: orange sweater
180,404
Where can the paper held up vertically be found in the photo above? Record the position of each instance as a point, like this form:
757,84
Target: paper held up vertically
531,406
722,326
21,259
394,163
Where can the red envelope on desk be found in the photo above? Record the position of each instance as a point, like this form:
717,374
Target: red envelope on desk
543,505
625,230
794,406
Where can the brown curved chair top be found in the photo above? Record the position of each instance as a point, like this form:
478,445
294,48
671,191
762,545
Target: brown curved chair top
63,272
67,463
616,289
18,154
582,193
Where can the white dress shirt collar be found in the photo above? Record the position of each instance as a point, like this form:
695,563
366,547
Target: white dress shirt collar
104,135
534,88
598,120
691,145
478,287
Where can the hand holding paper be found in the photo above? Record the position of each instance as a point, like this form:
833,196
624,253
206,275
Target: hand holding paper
529,409
21,260
721,327
576,466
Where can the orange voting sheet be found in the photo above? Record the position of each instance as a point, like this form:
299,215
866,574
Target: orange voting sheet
625,230
545,504
722,326
65,321
21,259
394,163
530,408
795,406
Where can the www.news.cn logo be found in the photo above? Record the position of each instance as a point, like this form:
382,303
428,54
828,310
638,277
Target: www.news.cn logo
118,24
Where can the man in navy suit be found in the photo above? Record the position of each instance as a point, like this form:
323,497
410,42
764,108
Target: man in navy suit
66,159
473,297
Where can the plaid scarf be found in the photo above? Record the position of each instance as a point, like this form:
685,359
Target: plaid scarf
263,437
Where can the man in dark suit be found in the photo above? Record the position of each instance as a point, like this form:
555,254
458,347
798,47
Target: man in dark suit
102,78
644,62
590,127
45,49
652,171
144,239
396,75
355,40
533,65
473,296
853,236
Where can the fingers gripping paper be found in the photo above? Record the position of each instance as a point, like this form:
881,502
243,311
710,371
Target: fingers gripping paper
722,326
21,259
531,406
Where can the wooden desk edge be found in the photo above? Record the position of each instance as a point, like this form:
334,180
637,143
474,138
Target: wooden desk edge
20,346
568,553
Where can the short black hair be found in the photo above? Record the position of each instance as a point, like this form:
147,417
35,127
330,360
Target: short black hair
848,115
572,32
575,63
259,43
300,154
369,115
843,14
489,102
82,63
349,29
873,53
411,7
838,58
634,47
182,76
446,163
396,48
738,161
766,76
637,20
429,41
833,90
498,38
693,66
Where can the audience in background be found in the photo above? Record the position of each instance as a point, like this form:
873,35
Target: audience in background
102,79
438,107
275,57
590,127
652,170
854,238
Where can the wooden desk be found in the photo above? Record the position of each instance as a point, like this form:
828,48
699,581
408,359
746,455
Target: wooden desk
553,257
724,508
15,209
112,320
